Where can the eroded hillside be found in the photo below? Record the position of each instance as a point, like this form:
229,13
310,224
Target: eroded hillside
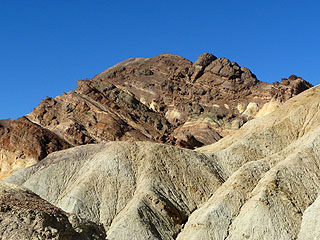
262,182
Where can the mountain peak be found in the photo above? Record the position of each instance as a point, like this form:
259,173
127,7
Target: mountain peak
166,99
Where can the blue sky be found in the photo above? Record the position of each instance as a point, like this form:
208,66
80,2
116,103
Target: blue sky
46,46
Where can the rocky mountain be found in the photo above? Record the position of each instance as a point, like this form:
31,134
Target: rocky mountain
164,99
261,182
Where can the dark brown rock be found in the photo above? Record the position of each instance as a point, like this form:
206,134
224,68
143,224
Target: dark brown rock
288,88
199,65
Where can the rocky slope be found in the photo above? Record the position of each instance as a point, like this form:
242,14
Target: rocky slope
259,183
271,169
204,100
24,215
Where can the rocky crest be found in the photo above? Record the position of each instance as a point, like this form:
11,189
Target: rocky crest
164,99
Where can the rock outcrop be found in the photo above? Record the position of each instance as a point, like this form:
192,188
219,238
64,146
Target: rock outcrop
205,100
254,184
94,112
288,88
24,143
24,215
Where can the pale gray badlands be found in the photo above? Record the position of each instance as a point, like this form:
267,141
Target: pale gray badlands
126,156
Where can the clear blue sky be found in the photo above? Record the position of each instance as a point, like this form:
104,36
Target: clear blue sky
46,46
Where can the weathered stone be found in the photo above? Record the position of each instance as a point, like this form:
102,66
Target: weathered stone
199,65
24,215
23,143
251,110
288,88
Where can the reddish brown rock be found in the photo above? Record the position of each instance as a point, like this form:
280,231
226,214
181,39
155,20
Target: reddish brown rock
23,143
288,88
210,88
94,112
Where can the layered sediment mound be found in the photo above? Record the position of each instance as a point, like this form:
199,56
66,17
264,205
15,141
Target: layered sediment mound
262,182
141,189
